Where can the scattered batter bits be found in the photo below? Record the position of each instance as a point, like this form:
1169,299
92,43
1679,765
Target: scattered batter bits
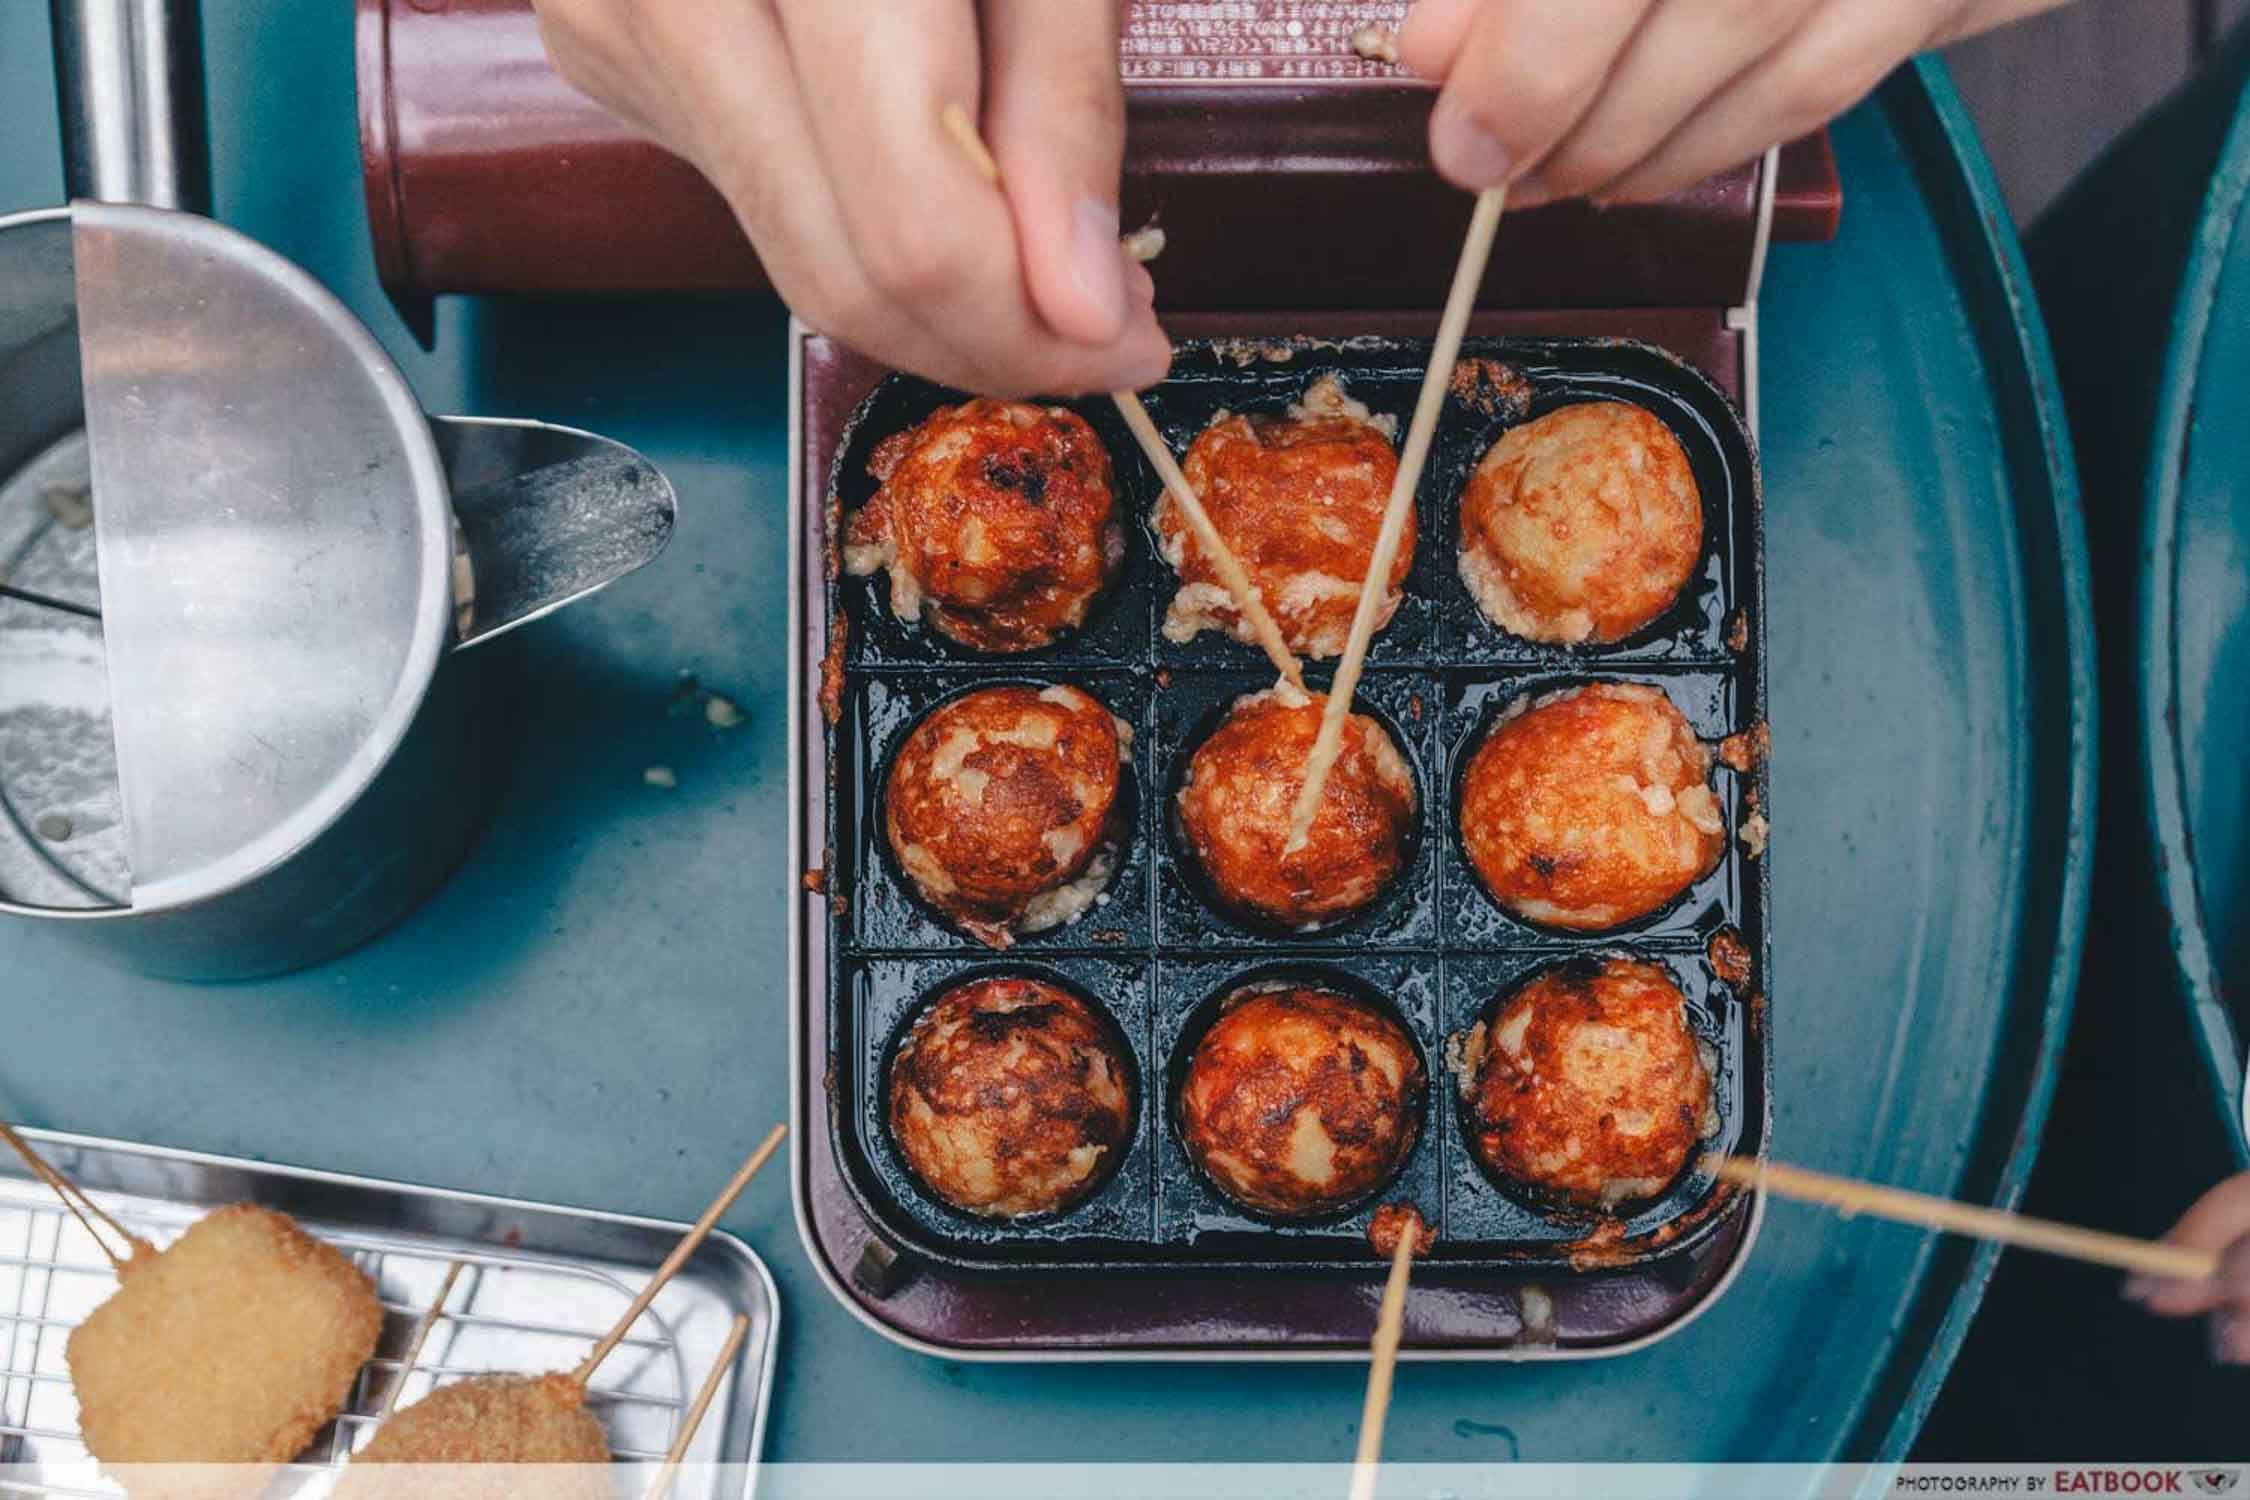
1011,1096
1395,1219
1301,1100
996,523
1299,500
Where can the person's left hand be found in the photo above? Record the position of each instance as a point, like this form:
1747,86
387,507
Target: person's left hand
2220,1220
1637,99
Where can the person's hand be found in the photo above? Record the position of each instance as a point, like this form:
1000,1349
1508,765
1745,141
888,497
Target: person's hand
2220,1220
819,122
1623,100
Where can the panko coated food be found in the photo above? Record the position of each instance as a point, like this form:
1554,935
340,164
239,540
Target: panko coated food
484,1421
1011,1096
1006,807
1299,501
1588,1086
1300,1100
1239,791
1582,525
1591,807
234,1345
996,522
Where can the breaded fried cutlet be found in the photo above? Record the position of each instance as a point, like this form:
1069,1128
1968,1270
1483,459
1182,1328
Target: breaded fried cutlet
233,1346
487,1419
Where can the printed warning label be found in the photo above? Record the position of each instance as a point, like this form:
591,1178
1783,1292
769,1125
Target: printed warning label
1254,41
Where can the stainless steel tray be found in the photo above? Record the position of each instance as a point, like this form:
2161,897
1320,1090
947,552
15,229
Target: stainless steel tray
540,1284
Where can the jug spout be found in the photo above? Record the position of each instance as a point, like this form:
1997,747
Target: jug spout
545,515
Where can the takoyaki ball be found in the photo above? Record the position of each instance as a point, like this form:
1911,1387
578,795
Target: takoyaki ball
1300,1100
997,522
1011,1096
1006,807
1241,789
1588,1086
1583,525
1591,807
1299,501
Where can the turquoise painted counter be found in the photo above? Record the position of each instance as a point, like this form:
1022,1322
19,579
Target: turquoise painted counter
595,1010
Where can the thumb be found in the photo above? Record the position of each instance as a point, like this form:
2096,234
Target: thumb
1055,118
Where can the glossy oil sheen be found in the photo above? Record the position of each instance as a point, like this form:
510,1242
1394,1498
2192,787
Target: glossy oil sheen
594,1011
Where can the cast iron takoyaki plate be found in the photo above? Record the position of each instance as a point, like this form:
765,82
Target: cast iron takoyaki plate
1156,952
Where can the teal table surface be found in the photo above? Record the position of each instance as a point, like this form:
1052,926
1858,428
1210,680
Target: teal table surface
595,1010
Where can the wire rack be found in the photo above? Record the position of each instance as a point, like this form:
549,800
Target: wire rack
504,1314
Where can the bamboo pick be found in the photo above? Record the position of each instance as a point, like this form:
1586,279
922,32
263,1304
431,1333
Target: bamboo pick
1129,406
422,1327
703,1398
1238,584
679,1256
1850,1196
75,1199
1390,1326
1460,301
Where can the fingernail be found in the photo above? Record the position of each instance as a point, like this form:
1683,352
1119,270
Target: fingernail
1097,270
1141,373
2230,1337
2139,1288
1464,150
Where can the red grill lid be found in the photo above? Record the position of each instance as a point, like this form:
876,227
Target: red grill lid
1286,171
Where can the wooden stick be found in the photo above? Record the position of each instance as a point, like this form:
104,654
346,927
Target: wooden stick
703,1398
1390,1326
74,1198
1468,275
957,124
2067,1240
1238,585
679,1256
422,1327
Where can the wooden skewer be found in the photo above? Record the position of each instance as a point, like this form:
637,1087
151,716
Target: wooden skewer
1238,584
679,1256
703,1398
74,1198
1468,275
422,1328
2068,1240
1390,1327
1129,406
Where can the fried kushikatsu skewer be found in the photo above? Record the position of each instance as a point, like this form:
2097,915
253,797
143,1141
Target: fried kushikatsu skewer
542,1419
1129,406
231,1346
422,1327
1460,301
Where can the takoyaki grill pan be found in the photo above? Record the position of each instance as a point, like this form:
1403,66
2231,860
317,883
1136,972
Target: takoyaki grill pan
1158,954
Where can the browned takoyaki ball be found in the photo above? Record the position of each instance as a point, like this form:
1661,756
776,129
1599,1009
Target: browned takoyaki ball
1300,502
1006,807
1587,1085
1300,1100
1011,1096
1583,525
1242,785
1591,807
996,520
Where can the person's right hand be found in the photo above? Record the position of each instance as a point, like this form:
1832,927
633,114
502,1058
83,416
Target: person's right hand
819,123
2220,1220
